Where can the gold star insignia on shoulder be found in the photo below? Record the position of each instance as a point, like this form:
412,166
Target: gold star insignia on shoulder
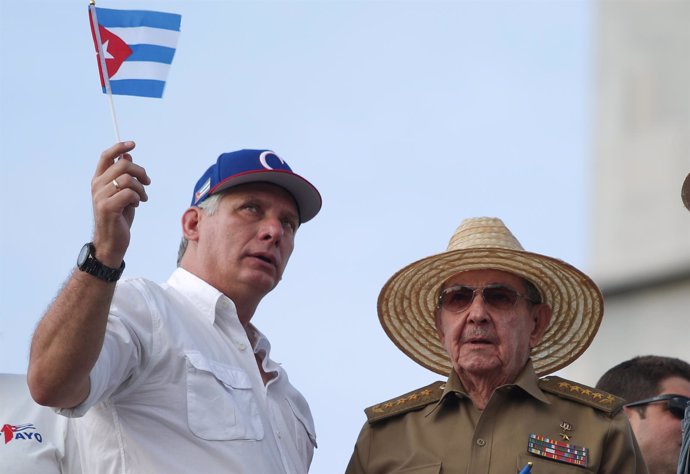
405,403
581,394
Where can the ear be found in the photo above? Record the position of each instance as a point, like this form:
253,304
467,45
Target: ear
542,317
634,416
190,223
437,322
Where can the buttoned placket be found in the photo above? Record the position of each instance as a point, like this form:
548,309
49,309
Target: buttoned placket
229,325
280,429
482,440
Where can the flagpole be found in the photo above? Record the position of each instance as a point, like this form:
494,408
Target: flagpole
104,69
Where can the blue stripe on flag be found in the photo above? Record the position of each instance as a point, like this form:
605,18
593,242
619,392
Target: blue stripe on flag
138,87
110,18
150,52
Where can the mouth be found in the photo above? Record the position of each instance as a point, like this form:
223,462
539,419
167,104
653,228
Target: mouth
478,341
264,257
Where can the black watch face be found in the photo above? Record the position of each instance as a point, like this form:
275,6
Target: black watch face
83,255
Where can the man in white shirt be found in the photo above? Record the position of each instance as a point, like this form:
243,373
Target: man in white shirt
174,377
33,438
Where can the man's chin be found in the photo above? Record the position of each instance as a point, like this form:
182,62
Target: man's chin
478,365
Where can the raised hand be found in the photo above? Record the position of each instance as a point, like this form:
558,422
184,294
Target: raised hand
117,188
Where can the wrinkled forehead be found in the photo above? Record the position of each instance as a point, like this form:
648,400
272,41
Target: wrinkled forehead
265,190
485,277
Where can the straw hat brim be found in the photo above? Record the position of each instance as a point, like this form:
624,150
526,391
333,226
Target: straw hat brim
407,301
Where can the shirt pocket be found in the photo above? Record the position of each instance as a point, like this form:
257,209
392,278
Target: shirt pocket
305,434
220,402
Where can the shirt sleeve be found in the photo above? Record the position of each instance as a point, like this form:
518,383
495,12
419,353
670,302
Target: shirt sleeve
622,453
356,464
126,345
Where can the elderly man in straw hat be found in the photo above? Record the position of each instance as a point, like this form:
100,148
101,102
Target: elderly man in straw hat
493,318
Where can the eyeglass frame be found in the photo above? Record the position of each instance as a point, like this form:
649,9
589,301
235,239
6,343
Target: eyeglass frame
668,398
443,292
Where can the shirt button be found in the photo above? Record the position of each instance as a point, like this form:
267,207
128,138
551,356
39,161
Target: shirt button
481,442
241,346
278,435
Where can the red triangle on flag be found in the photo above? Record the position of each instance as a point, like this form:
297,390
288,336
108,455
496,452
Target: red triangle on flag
115,51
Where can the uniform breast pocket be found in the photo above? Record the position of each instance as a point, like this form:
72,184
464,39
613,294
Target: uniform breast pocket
220,402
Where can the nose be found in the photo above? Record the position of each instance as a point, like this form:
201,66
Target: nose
271,230
477,311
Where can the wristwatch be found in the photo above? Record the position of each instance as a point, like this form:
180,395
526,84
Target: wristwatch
87,262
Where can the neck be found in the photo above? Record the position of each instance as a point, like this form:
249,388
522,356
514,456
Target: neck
245,310
479,389
481,386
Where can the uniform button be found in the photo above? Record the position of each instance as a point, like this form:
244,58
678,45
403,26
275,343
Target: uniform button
481,442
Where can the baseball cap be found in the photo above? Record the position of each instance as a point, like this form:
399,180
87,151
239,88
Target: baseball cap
257,166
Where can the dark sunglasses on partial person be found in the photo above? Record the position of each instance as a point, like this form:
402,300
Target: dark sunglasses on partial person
675,404
459,297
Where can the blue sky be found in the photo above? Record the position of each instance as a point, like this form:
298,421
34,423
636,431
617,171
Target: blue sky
408,116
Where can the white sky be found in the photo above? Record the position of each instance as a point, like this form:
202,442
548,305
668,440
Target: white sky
408,117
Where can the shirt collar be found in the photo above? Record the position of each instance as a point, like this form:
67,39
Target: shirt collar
202,295
527,380
206,299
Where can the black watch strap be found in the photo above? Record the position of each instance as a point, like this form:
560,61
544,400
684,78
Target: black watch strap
88,263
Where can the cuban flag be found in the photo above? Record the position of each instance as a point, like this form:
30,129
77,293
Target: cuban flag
137,46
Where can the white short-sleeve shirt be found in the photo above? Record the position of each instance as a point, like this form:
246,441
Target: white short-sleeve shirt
32,437
176,389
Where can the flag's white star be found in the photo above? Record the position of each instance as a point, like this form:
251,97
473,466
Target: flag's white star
106,53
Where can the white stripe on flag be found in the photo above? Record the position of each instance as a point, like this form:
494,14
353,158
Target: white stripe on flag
141,70
146,35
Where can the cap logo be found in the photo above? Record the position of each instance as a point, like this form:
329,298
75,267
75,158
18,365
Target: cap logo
264,155
202,190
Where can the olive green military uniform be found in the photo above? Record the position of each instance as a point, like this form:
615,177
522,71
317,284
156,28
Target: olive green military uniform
436,429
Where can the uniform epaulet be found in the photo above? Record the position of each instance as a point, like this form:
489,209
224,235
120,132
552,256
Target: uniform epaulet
405,403
603,401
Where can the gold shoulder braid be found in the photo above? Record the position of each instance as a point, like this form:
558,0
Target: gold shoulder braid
589,396
405,403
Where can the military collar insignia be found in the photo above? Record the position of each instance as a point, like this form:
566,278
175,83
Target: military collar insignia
557,450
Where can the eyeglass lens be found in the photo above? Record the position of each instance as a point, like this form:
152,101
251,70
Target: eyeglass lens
457,298
676,406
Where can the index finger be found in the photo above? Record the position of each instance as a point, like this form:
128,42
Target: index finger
108,156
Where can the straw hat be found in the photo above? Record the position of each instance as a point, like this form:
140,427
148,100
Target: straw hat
407,301
685,192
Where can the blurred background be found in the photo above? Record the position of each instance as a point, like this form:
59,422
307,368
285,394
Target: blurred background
570,120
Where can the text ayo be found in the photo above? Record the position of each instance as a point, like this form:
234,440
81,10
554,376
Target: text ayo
27,436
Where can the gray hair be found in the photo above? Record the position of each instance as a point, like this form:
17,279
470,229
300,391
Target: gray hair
209,206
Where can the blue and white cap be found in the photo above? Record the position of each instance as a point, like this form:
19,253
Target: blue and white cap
257,166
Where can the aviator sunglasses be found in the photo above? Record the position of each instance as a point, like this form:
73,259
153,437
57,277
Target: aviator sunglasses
458,297
674,403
